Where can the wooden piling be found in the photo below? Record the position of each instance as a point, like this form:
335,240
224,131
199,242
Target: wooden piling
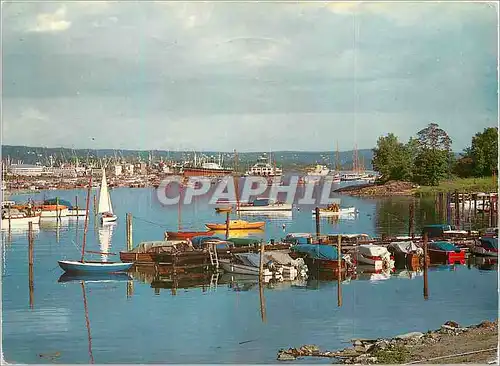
129,231
95,205
457,209
318,231
8,213
76,206
484,205
411,230
339,283
261,261
227,225
30,264
474,197
491,211
426,279
463,211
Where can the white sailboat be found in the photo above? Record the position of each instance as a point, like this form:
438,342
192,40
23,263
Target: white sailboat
105,207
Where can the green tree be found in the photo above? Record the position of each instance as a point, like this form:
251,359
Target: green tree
391,159
433,159
484,152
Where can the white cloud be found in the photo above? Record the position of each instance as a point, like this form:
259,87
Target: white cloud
52,22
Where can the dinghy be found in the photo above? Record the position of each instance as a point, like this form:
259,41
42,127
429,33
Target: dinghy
237,225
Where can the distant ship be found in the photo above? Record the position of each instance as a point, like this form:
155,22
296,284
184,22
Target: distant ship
319,170
205,169
264,168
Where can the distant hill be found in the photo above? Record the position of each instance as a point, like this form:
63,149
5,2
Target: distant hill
287,159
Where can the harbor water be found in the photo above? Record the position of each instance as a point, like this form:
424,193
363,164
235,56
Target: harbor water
222,321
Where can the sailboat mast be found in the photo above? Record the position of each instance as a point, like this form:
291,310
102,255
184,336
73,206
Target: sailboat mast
86,218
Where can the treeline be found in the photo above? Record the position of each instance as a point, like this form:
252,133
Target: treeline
427,158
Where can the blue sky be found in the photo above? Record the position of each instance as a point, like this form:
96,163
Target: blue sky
245,76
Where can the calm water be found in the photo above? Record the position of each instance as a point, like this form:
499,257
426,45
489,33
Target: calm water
130,322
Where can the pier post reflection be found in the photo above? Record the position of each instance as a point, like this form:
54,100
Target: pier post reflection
339,271
262,301
30,265
130,288
426,278
87,322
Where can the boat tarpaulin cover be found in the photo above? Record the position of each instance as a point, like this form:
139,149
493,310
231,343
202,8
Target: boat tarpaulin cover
444,245
199,240
238,242
373,250
317,251
405,247
281,258
490,243
249,259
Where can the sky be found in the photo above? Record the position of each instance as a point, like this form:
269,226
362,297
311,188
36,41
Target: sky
246,76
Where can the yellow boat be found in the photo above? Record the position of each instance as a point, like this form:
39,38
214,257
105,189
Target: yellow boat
237,225
240,233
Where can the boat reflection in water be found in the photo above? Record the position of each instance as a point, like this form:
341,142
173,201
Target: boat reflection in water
105,236
94,277
241,233
485,263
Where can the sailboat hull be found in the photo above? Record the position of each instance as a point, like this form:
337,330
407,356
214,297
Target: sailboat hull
94,267
106,219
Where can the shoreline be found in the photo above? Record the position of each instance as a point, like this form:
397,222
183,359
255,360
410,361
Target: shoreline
449,344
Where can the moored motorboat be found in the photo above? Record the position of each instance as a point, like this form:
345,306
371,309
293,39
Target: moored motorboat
236,225
374,255
320,257
244,263
487,244
406,253
18,219
445,252
335,210
264,204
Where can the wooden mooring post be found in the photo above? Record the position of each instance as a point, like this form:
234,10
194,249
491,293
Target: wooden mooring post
339,271
58,212
484,205
95,205
426,278
318,231
227,225
129,231
30,265
457,209
411,217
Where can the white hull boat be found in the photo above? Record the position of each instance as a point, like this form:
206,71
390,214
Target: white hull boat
54,213
341,211
376,256
20,221
75,212
264,205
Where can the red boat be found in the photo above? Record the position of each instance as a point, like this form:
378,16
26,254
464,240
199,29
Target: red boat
182,235
445,252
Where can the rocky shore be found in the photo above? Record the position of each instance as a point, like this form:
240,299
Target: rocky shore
449,344
391,188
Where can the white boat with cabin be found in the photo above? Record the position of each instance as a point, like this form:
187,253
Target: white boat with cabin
18,219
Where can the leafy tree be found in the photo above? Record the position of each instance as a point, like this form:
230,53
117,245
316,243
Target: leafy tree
484,152
392,159
433,159
431,166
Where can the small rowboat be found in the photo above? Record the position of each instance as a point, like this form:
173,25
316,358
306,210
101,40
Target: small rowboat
223,209
237,225
183,235
340,211
95,267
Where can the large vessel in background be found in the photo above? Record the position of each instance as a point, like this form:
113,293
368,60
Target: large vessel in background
204,168
265,167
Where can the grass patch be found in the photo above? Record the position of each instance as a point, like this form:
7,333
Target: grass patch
463,185
396,355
